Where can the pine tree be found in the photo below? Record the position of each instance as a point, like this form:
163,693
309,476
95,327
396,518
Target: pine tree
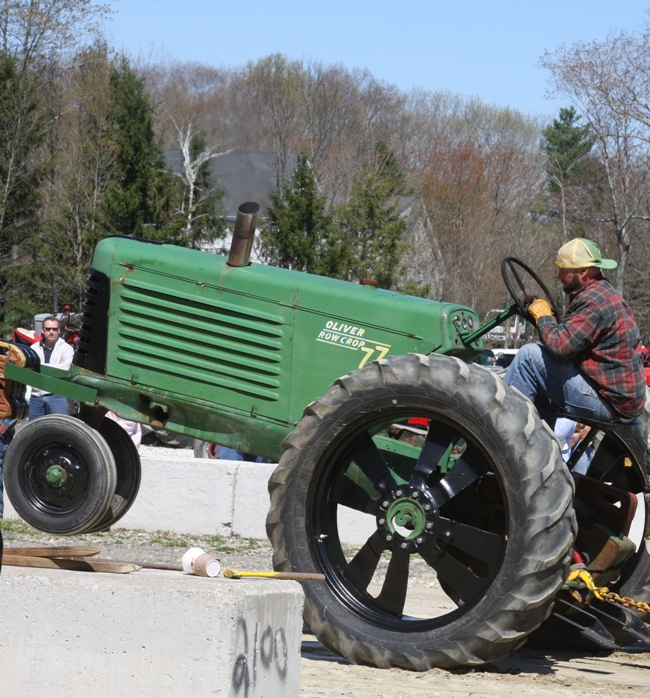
571,173
370,222
566,145
140,201
298,232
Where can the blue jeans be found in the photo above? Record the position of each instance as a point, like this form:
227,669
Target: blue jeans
554,384
226,453
47,404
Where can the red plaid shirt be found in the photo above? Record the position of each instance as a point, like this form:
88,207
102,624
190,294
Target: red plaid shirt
599,332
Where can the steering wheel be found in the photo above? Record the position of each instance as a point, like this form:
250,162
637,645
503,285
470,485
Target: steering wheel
525,287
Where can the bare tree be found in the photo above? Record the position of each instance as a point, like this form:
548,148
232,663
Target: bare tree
477,186
193,162
81,171
607,81
33,28
275,85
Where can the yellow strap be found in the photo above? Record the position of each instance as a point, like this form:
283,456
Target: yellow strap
583,576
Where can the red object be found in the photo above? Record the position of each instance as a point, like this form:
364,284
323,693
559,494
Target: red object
22,336
577,558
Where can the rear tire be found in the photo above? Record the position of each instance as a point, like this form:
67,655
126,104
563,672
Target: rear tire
633,443
498,528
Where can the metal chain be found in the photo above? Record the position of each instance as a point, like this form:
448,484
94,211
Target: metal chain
582,579
612,597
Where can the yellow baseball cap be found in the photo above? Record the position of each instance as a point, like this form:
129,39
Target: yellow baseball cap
580,253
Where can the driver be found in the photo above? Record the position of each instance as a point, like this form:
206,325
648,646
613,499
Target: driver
589,365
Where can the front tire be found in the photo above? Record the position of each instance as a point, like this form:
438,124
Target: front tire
128,468
60,475
480,501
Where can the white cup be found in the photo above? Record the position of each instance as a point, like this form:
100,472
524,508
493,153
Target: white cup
197,561
189,557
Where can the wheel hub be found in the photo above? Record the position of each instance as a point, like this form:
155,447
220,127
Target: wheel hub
56,476
407,519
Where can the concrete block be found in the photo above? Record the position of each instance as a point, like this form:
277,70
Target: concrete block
251,501
185,495
149,633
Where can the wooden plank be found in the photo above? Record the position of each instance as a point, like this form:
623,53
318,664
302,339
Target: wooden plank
144,565
55,551
82,565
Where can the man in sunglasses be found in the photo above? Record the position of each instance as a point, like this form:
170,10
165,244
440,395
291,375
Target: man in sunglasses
54,351
589,363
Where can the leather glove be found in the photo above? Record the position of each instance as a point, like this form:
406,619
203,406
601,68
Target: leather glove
539,308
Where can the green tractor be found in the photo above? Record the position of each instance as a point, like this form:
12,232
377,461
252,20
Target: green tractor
370,403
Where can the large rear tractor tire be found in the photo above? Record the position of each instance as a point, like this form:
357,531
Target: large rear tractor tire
622,460
459,487
60,475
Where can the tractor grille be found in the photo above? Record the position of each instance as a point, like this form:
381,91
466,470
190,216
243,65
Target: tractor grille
90,352
165,337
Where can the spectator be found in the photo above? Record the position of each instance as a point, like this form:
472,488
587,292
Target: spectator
133,429
570,434
564,430
6,435
52,351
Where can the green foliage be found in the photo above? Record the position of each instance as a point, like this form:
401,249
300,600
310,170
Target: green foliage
298,232
412,289
370,222
140,201
362,240
566,145
22,129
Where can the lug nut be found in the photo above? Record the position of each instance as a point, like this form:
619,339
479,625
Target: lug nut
403,546
382,522
399,493
389,537
427,507
419,540
415,494
429,525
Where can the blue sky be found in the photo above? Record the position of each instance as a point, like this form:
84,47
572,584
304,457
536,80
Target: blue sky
483,48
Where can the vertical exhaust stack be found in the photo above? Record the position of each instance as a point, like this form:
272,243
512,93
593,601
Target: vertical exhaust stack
243,235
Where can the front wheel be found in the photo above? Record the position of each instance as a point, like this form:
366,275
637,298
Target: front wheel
128,469
60,475
464,499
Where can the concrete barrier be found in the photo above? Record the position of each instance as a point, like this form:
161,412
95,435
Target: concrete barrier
204,497
150,633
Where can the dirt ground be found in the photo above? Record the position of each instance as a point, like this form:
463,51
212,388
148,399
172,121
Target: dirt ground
326,675
525,673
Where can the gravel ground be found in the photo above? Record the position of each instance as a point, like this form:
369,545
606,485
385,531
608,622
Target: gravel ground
160,547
